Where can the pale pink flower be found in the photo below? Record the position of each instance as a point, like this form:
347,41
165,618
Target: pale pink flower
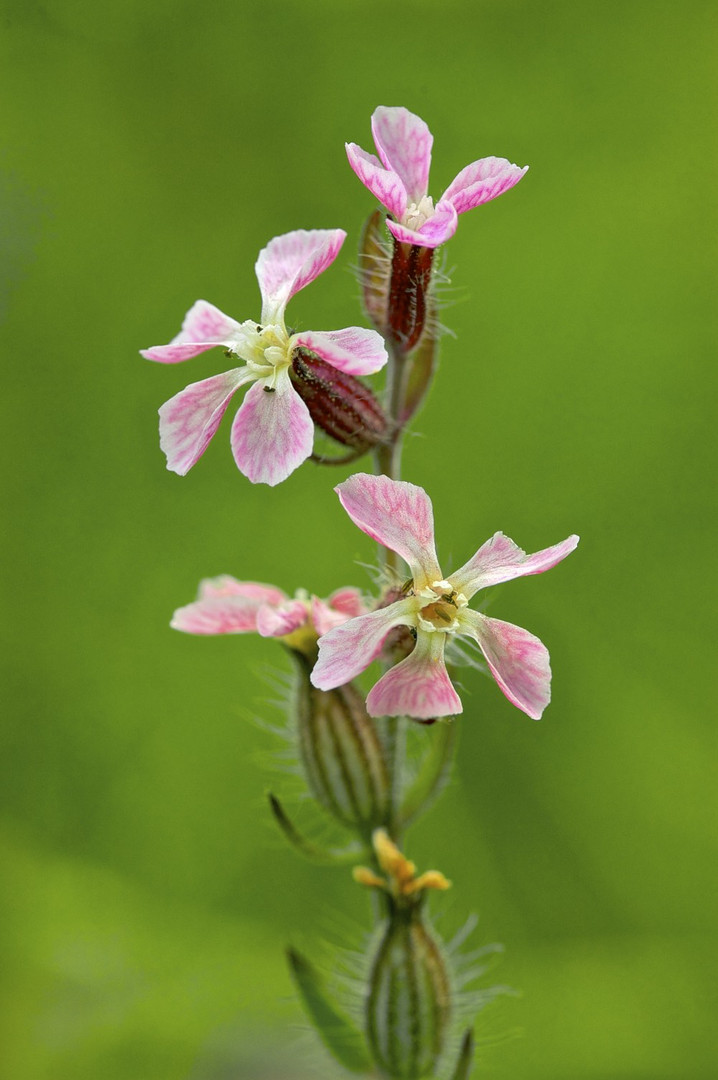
400,180
272,433
227,606
400,516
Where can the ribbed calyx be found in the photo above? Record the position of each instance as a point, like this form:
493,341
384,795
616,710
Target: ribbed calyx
340,751
339,404
408,294
408,1006
409,1003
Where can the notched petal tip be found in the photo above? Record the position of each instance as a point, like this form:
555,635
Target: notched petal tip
419,686
396,514
482,181
518,660
346,650
272,434
383,183
404,143
290,262
204,326
354,350
189,420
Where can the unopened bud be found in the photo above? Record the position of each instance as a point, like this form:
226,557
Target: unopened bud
340,751
375,270
338,403
409,1002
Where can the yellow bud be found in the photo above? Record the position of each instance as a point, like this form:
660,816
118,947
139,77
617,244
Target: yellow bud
391,859
432,879
364,876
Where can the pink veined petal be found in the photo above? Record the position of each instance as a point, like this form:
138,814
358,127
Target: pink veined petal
189,419
404,144
519,661
384,184
354,351
272,433
224,585
347,649
278,621
397,515
482,181
348,601
204,327
342,605
218,615
418,686
324,618
290,262
435,231
500,559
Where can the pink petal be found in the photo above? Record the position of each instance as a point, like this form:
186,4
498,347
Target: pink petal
354,351
347,601
290,262
278,621
218,615
189,419
272,433
397,515
204,327
342,605
384,184
224,585
481,181
500,559
418,686
519,662
436,230
347,649
404,144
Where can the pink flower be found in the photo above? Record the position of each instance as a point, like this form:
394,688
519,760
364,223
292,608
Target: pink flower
400,516
400,180
272,433
227,606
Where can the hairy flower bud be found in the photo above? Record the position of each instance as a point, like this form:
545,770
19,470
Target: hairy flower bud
340,751
375,270
339,404
409,1003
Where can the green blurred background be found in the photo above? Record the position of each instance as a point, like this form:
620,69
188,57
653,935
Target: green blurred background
148,152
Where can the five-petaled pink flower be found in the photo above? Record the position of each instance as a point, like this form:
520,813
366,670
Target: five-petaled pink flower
399,516
400,180
272,433
227,606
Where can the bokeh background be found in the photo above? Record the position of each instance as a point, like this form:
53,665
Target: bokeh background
148,152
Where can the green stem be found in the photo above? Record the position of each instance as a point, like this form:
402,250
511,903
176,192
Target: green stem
387,461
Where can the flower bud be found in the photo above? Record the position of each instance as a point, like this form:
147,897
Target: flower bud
375,270
338,403
408,1006
409,1002
340,751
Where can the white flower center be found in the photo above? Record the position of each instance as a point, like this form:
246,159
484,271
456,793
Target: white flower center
265,350
440,613
418,213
